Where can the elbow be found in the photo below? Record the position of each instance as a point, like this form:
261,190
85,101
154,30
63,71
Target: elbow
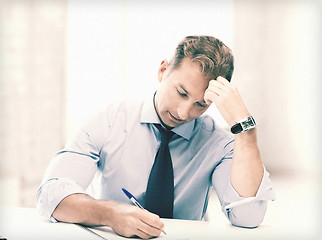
246,224
40,205
46,199
249,215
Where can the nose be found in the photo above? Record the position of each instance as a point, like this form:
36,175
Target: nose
184,110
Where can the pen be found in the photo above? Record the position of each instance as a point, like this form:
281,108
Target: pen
132,198
135,202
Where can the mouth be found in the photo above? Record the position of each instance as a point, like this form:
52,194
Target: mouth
173,118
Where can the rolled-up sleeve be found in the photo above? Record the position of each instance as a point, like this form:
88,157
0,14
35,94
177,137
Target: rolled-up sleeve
241,211
71,170
52,192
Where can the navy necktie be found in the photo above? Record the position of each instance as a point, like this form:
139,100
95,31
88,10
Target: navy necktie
160,190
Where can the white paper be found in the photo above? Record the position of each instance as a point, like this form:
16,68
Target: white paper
109,234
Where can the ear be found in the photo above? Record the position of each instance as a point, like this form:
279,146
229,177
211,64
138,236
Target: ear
162,69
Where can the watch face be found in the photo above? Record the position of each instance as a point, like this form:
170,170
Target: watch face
243,126
249,123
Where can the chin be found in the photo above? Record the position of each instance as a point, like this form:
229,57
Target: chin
173,125
169,125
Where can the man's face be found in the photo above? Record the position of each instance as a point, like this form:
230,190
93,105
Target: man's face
180,96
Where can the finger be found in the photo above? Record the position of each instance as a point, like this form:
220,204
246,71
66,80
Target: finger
213,84
142,234
217,88
222,80
207,97
146,231
223,87
149,230
158,226
152,219
211,95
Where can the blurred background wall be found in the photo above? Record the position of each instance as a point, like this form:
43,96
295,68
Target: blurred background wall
62,60
32,92
278,52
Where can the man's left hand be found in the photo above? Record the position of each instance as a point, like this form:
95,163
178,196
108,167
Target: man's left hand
227,99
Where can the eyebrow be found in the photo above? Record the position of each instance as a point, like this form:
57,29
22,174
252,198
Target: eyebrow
203,102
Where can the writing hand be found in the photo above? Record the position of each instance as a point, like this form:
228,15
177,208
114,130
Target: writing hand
125,219
130,221
227,99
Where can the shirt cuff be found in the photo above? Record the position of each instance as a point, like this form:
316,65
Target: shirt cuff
52,192
265,192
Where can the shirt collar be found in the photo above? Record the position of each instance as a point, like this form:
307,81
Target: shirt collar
149,115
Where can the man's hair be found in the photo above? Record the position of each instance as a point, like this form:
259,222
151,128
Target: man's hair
213,56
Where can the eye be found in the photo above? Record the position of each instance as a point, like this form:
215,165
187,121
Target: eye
200,105
181,93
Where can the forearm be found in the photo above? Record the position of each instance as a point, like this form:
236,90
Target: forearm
246,169
126,220
83,209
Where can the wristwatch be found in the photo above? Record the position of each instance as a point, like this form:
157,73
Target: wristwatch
243,125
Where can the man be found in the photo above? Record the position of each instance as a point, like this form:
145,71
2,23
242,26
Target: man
119,146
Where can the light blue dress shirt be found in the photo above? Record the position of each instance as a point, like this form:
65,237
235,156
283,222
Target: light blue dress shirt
115,149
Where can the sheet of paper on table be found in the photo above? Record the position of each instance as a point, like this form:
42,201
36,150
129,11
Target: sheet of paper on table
109,234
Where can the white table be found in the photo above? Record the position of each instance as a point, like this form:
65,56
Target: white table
24,223
285,219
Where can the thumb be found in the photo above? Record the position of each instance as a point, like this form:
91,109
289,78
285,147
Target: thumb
207,97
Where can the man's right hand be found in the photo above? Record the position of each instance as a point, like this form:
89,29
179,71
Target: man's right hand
125,219
132,221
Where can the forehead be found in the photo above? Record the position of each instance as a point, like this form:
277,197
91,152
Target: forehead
190,77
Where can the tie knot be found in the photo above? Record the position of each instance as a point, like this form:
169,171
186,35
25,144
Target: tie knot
166,135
